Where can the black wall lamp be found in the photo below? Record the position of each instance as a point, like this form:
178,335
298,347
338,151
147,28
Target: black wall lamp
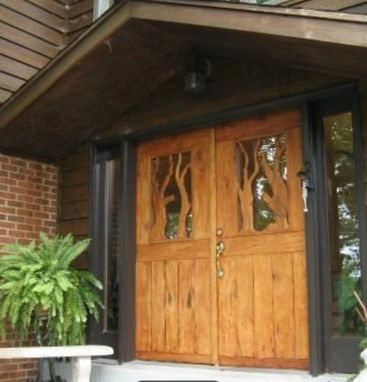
196,78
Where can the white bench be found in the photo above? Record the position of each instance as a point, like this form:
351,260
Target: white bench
362,376
80,356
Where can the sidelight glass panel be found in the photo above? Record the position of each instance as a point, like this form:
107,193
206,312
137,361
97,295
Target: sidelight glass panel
112,243
344,243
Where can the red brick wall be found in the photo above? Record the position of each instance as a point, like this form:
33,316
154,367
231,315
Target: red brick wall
28,205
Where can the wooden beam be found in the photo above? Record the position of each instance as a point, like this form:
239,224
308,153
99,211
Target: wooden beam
293,24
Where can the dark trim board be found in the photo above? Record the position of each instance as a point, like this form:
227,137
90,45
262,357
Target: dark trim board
316,345
306,102
127,263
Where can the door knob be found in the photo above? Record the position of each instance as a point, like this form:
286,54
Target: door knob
219,232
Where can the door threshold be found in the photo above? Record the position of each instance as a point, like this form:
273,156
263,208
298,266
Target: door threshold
137,370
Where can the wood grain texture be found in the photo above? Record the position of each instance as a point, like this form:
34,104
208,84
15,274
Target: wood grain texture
143,306
262,300
74,189
260,309
171,270
158,288
179,299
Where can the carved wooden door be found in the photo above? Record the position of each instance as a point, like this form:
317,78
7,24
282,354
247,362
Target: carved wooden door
221,272
262,309
173,287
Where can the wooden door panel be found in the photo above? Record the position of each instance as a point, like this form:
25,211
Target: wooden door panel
173,303
189,249
244,181
262,309
283,303
300,306
264,243
173,310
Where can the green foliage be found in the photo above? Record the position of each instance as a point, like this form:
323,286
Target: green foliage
38,280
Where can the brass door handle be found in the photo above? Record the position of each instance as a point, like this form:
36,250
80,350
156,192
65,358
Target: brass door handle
218,253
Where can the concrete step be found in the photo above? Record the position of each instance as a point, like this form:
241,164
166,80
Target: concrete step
135,371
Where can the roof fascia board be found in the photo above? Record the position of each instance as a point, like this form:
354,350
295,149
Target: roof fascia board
74,53
267,9
340,32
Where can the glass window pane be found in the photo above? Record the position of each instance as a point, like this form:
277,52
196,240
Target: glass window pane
112,243
344,244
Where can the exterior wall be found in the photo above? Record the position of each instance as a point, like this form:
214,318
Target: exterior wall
28,205
34,32
74,196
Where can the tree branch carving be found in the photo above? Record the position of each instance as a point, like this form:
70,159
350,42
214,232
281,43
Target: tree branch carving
244,188
159,200
185,203
278,199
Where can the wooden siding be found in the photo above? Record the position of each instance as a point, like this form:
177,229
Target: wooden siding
74,196
32,33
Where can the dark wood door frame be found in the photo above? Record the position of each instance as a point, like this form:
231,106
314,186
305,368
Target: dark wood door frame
306,103
339,354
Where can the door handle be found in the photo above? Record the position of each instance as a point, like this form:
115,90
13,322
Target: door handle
304,175
219,250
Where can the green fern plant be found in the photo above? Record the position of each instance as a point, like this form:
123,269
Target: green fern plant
38,281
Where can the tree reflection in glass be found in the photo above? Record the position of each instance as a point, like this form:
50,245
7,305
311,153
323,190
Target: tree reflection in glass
344,245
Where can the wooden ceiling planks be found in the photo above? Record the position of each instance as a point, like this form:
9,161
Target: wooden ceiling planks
94,93
35,31
328,58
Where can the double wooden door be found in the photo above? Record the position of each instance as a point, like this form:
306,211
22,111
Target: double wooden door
221,272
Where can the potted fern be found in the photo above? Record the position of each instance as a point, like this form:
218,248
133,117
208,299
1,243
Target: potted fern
41,294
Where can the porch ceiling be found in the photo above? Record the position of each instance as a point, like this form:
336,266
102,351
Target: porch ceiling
139,45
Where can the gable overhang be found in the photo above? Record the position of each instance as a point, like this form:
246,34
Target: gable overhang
138,45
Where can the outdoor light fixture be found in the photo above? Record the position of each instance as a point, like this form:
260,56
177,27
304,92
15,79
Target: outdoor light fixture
197,76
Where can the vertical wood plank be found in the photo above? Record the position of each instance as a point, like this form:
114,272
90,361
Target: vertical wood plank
143,200
227,302
213,242
186,327
158,305
245,306
171,306
300,305
263,306
228,212
283,305
143,307
200,169
202,307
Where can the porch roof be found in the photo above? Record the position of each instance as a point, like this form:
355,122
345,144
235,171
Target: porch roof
140,44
